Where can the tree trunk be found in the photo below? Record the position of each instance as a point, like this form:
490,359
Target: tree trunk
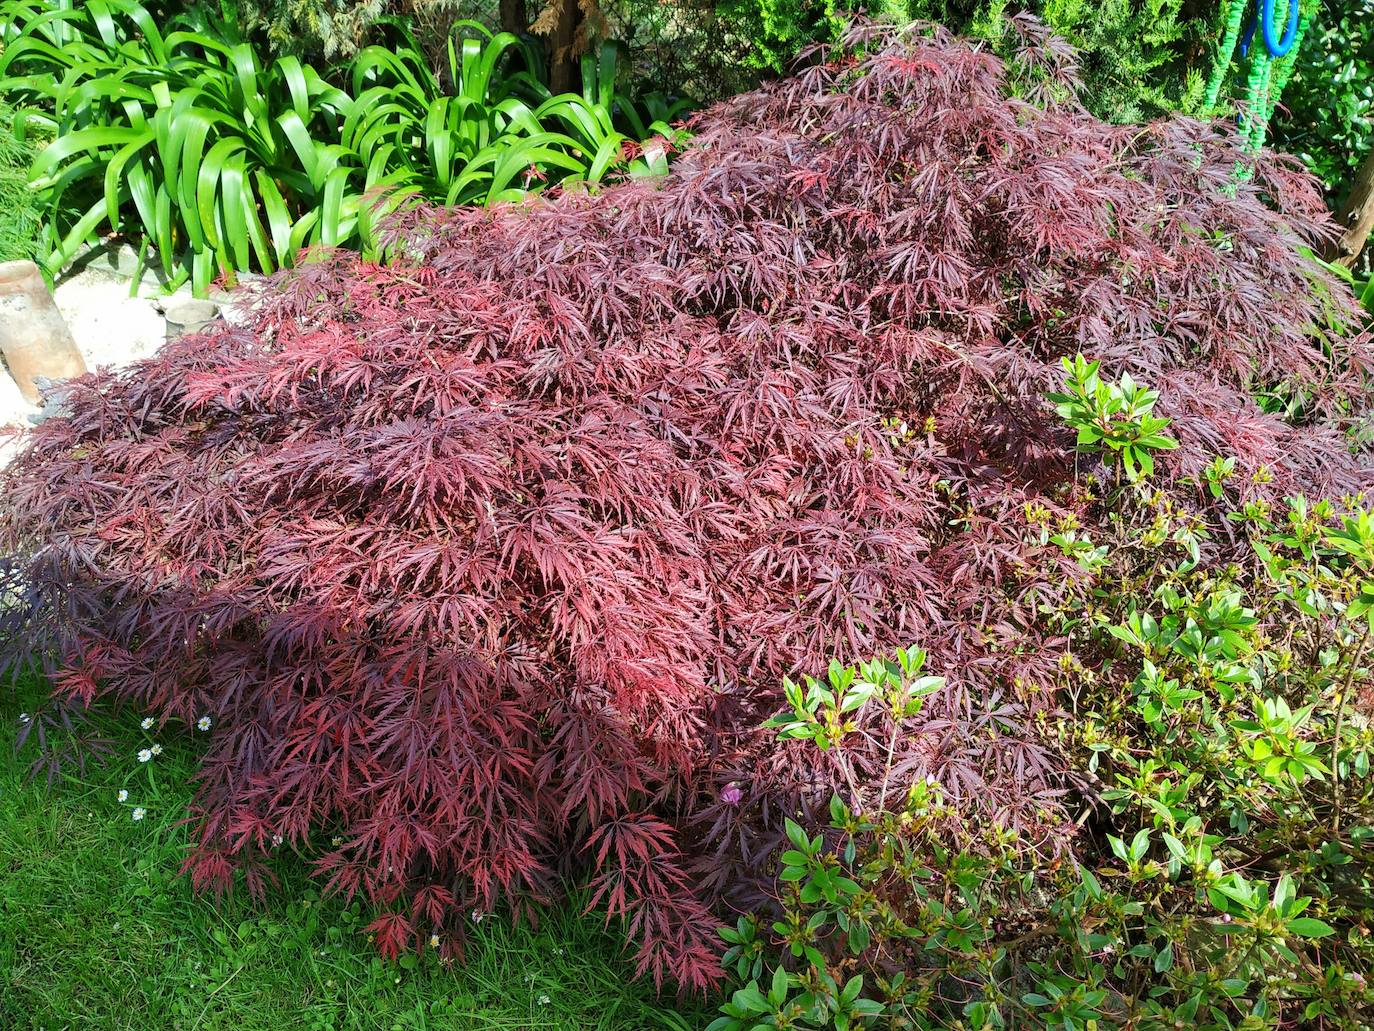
1355,216
564,62
515,16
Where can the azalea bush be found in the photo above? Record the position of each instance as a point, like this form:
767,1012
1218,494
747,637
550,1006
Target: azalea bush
490,563
183,137
1218,723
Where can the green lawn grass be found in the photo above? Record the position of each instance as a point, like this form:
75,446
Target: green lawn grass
98,932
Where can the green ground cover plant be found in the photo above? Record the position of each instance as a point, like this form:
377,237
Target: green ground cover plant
98,932
183,137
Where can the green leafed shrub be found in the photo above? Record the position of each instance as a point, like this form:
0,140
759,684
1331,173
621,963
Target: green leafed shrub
185,138
1219,723
1134,55
19,211
773,31
1329,117
330,28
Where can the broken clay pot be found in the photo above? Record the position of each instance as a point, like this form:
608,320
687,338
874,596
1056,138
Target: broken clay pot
34,338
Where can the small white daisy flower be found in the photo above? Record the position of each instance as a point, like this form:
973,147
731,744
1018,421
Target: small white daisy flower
147,723
476,917
544,1000
24,717
144,755
336,841
140,813
276,839
157,749
203,723
433,941
123,795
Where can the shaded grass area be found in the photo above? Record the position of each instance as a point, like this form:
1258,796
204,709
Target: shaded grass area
98,932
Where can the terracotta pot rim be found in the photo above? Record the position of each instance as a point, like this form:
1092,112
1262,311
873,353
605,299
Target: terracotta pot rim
18,273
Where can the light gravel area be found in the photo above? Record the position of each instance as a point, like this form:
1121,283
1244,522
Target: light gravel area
111,328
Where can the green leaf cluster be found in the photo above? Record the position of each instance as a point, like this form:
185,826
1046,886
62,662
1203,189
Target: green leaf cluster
1112,418
1362,286
825,712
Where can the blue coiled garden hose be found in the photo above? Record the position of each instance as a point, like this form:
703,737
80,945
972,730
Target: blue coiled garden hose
1269,68
1264,20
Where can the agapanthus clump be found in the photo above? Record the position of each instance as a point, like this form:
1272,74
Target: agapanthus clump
488,565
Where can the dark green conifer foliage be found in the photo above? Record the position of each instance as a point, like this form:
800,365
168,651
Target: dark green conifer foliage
1134,55
1139,58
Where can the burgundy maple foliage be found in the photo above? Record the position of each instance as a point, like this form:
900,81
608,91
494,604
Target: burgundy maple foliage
488,564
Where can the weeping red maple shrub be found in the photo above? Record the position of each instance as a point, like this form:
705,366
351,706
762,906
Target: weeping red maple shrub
488,564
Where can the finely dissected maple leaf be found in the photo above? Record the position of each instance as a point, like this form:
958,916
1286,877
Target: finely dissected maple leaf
488,565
